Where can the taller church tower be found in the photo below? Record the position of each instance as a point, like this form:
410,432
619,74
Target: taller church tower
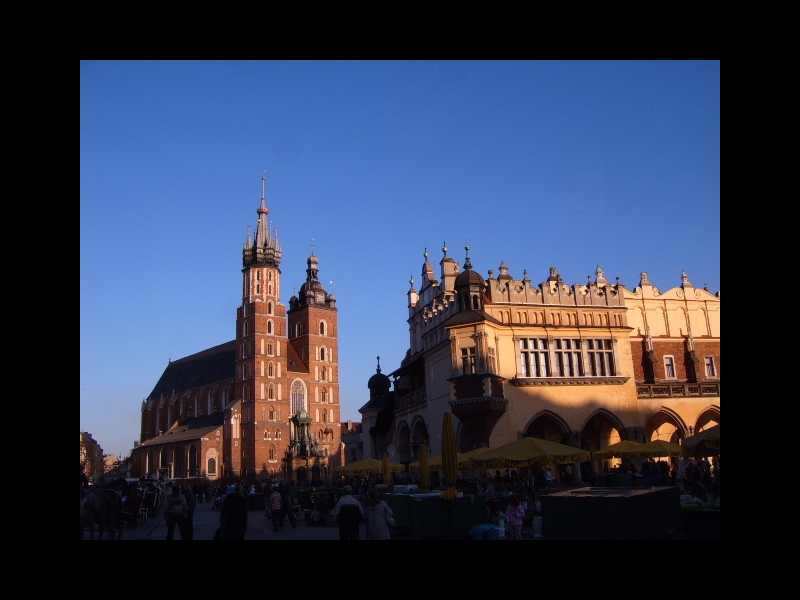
260,350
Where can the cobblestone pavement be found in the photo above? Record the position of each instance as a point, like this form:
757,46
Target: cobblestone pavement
206,522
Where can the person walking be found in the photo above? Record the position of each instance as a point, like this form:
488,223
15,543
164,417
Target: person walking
515,515
175,512
276,509
379,517
287,507
233,516
348,513
187,523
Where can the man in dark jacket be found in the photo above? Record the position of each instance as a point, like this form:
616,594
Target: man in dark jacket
348,513
187,523
233,517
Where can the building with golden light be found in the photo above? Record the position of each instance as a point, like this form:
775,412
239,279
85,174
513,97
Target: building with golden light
584,364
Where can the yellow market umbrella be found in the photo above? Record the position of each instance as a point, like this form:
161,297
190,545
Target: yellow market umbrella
435,462
449,455
387,470
527,451
424,470
622,449
661,448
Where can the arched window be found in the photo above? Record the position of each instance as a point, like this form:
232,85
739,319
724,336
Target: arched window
270,275
269,327
278,435
298,396
269,349
323,328
212,466
323,396
271,414
269,308
272,453
270,370
322,353
258,275
324,374
270,392
475,305
324,416
270,289
258,288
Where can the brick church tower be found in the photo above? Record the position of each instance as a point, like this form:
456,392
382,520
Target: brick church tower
286,378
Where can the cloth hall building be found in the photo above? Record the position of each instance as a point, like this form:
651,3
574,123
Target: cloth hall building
266,402
583,364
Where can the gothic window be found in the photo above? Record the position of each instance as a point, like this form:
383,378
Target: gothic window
322,353
272,453
297,329
277,435
601,358
270,370
269,327
534,359
324,374
322,328
468,360
269,308
711,369
298,396
271,414
323,396
492,361
270,275
212,466
269,349
569,361
244,328
258,275
669,367
271,392
270,289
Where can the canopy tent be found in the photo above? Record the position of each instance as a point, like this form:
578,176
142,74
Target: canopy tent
661,448
369,465
704,442
435,462
528,451
621,449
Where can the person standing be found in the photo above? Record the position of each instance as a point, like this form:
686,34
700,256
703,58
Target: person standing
379,517
276,509
288,506
175,512
515,515
348,513
233,516
187,523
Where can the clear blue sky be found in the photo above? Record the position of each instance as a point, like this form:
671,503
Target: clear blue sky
534,163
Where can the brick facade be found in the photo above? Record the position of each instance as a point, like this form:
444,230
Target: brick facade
246,384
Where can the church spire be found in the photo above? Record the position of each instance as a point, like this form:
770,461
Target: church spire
262,227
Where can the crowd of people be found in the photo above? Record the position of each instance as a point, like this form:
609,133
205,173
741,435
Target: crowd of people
355,504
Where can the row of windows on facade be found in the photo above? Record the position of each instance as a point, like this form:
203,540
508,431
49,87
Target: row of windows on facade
566,357
183,406
564,319
211,464
273,453
670,372
322,353
320,373
298,327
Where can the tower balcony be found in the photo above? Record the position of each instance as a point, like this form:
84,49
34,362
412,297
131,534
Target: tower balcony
478,401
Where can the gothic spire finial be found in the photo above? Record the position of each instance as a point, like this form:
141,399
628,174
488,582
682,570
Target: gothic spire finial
467,261
262,207
379,364
425,254
444,249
